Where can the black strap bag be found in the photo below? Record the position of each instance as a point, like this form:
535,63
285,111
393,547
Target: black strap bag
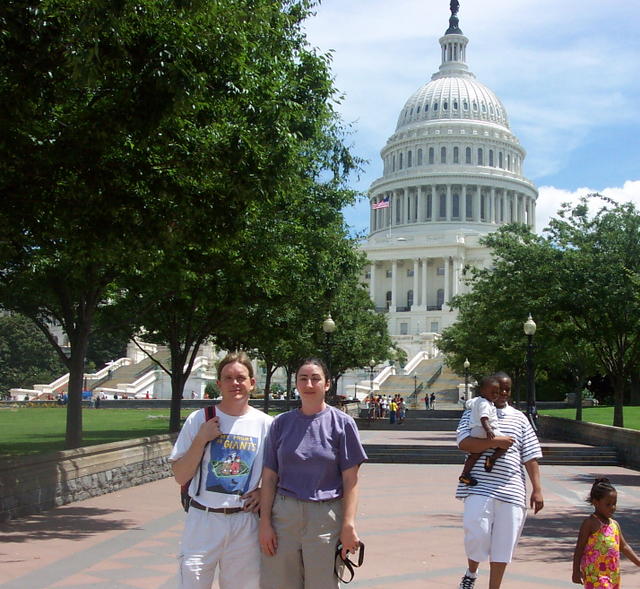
185,499
343,567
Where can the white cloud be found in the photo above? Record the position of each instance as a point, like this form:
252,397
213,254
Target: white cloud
550,199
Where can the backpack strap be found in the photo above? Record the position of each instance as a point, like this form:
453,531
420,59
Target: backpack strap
209,413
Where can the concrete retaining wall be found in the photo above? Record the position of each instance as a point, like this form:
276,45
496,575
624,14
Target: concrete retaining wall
32,484
626,441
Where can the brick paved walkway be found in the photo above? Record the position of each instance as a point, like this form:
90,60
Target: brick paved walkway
408,519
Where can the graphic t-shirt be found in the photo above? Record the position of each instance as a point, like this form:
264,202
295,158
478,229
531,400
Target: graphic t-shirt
232,463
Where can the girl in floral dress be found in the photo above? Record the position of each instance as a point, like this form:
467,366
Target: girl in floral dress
596,560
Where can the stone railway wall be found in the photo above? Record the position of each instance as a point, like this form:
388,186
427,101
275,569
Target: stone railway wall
32,484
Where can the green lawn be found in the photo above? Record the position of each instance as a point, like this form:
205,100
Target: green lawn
39,430
603,415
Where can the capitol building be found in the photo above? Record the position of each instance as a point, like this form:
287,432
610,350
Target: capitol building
452,173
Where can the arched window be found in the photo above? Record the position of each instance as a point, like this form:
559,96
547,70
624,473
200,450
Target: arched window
455,205
467,153
418,109
465,105
419,157
445,105
480,157
435,106
455,105
443,155
409,158
431,155
456,155
491,157
426,108
443,206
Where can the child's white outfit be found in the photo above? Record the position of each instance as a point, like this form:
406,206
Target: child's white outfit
481,407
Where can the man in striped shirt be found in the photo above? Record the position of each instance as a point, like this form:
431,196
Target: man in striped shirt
495,508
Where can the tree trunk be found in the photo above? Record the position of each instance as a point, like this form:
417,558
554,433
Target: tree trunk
618,393
289,391
178,380
267,385
73,437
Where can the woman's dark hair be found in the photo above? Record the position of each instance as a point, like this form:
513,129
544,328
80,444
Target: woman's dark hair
500,375
316,362
600,488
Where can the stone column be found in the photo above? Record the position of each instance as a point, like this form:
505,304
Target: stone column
447,288
449,202
493,218
463,204
394,285
533,214
416,269
476,204
372,282
424,298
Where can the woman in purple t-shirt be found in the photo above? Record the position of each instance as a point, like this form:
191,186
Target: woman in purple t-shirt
309,488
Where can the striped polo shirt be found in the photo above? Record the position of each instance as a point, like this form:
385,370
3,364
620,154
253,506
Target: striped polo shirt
506,481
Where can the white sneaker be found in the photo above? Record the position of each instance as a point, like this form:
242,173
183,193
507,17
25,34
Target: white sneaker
467,583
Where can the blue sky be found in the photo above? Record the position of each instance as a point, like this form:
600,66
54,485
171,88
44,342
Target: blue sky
567,71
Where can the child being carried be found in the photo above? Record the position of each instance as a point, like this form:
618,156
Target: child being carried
484,424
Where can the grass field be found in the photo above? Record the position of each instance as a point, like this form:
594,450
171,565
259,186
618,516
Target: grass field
602,415
38,430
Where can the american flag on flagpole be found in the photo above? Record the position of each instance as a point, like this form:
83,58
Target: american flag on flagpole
383,204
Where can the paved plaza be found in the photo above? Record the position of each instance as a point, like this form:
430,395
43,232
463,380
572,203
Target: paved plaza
408,518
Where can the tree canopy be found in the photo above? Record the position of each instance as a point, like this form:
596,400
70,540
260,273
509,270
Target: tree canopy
578,280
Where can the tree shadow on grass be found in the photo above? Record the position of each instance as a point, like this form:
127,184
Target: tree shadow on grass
64,523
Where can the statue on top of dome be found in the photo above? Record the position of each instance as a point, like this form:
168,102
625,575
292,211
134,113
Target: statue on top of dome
454,29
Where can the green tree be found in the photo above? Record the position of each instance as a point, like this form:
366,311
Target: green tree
123,121
26,357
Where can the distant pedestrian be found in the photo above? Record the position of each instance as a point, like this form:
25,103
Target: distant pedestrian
393,411
596,560
432,400
426,401
402,410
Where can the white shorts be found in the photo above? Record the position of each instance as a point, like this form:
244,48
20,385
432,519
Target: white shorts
492,528
479,432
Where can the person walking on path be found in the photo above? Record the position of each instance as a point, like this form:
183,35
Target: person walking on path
221,527
596,560
432,401
309,488
393,411
495,508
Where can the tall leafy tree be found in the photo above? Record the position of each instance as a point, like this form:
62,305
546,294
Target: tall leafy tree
127,123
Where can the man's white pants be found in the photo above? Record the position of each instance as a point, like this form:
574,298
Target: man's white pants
215,539
492,528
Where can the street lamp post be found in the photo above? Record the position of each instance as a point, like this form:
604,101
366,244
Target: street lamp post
329,326
372,364
466,379
532,414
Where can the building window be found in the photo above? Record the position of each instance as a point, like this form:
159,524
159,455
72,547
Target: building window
480,157
455,105
509,163
410,273
445,105
409,298
434,327
443,206
431,155
500,162
483,206
393,163
467,154
400,162
387,299
389,273
456,155
465,105
443,155
469,206
440,271
491,157
435,106
404,329
409,158
419,157
455,206
429,207
440,298
367,274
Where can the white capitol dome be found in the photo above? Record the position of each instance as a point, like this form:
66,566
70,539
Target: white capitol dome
452,173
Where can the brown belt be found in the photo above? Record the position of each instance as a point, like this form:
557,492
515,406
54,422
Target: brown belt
225,510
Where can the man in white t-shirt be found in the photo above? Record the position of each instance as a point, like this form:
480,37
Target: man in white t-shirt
221,527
